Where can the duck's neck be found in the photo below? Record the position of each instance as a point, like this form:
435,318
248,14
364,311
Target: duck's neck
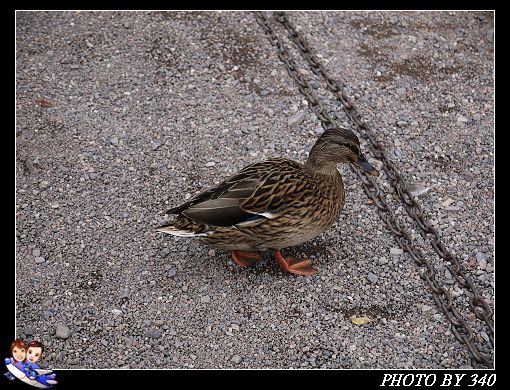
321,165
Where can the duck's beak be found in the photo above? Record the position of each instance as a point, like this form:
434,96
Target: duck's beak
363,163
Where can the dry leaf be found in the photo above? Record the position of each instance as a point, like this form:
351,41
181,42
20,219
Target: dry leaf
44,103
360,320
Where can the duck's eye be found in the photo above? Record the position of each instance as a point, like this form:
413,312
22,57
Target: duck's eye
353,148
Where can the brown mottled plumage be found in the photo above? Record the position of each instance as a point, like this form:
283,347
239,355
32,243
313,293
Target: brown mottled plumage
273,204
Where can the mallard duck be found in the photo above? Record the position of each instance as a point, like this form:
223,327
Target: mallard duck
273,204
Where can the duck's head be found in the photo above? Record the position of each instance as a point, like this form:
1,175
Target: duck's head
336,146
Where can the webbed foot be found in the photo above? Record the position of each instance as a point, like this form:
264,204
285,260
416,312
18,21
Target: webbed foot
244,258
301,267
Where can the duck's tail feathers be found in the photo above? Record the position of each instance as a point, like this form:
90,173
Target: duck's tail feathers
170,229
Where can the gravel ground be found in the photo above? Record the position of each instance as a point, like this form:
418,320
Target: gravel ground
121,115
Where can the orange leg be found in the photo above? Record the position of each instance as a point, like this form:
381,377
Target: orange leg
244,258
298,267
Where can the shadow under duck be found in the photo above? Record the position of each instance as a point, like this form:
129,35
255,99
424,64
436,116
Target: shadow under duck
273,204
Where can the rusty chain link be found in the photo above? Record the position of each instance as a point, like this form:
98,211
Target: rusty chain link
460,328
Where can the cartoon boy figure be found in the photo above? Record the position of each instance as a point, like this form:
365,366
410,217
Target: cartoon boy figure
18,353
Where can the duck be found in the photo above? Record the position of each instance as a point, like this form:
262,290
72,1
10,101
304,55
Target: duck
273,204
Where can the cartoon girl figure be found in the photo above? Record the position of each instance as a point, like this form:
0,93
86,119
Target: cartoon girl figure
18,353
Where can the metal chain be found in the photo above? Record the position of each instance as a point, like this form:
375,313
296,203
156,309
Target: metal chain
412,207
460,328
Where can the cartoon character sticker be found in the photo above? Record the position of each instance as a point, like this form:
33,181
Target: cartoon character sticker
23,365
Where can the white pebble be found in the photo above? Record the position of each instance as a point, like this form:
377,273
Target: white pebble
447,202
396,251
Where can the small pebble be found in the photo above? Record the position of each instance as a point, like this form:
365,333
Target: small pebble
236,359
153,333
372,277
447,202
62,331
419,190
164,252
396,251
426,308
383,260
296,119
172,272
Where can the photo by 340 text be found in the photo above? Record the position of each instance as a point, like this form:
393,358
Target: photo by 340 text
442,380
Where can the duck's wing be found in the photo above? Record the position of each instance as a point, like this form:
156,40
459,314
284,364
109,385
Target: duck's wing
257,192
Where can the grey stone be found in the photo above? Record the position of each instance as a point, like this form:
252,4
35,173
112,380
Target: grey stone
383,260
62,331
373,278
396,251
296,119
482,260
164,252
172,272
153,333
236,359
426,308
490,35
480,256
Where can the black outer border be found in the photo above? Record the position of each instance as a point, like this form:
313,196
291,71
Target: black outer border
258,5
116,378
